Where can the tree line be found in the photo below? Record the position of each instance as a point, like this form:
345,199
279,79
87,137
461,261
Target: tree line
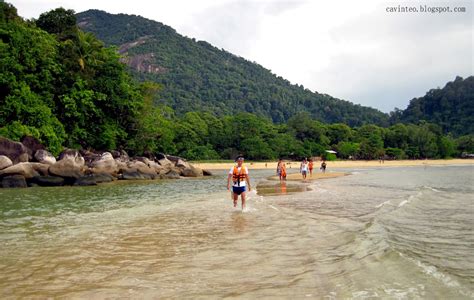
64,87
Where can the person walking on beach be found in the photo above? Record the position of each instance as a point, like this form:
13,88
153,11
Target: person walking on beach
310,166
304,168
281,169
240,180
323,166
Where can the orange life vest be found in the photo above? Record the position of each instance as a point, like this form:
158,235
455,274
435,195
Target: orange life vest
237,176
283,170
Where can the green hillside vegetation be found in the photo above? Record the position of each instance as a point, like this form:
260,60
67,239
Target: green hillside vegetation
451,107
198,76
64,87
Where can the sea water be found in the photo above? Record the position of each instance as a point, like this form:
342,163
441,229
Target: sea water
396,233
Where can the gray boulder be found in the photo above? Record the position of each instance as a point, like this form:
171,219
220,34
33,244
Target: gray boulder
182,164
103,177
26,170
138,166
136,175
166,163
105,164
73,155
173,158
70,165
16,151
32,145
44,157
192,172
120,156
171,174
156,167
41,168
93,179
5,162
14,181
47,181
89,157
206,172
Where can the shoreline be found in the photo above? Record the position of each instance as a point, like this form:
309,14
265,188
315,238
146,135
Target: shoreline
315,176
337,164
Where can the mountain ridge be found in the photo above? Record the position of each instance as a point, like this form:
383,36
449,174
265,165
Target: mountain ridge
199,76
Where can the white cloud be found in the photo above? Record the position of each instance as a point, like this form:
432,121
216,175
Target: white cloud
353,50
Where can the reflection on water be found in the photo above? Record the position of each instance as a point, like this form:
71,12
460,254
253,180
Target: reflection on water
397,233
270,188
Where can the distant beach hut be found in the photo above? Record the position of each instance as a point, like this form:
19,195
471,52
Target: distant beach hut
331,151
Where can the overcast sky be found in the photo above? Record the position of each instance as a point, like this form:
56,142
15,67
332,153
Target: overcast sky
353,50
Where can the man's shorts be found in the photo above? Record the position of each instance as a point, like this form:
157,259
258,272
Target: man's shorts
303,172
238,189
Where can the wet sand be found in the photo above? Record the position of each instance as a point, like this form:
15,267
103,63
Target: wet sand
339,164
315,176
294,183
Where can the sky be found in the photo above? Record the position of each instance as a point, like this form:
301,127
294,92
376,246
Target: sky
367,52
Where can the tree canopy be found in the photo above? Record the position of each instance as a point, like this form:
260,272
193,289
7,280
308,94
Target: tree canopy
64,87
197,76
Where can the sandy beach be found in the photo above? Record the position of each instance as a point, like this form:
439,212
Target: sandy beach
338,164
315,176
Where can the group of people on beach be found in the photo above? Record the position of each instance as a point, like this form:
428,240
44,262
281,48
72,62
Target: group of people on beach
305,167
238,177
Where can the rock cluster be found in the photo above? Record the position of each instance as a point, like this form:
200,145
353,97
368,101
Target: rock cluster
30,164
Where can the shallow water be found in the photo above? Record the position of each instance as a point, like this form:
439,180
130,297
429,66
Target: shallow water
385,233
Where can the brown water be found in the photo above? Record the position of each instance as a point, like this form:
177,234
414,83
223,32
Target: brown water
393,233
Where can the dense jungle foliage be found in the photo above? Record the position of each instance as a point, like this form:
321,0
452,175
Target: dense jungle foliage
64,87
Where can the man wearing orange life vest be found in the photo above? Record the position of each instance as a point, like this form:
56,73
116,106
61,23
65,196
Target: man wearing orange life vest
240,179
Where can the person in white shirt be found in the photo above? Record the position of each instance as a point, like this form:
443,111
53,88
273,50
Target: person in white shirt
239,175
304,168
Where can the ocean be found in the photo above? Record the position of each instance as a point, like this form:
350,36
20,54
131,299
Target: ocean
390,233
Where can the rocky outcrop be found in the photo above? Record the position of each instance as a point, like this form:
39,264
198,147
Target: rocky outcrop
16,151
47,181
165,163
5,162
138,170
32,145
70,165
26,170
171,174
191,172
44,157
14,181
105,164
206,172
84,167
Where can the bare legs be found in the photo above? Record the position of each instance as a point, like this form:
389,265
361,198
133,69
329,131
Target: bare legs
236,198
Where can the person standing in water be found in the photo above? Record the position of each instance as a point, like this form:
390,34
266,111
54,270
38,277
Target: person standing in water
304,168
310,166
239,174
323,166
281,169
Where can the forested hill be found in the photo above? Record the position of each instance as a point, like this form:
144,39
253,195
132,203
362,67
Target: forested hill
452,107
199,77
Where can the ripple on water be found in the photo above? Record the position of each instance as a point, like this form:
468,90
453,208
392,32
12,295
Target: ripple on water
343,238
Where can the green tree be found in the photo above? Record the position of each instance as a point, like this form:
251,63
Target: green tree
465,144
59,21
338,133
446,146
371,141
348,149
